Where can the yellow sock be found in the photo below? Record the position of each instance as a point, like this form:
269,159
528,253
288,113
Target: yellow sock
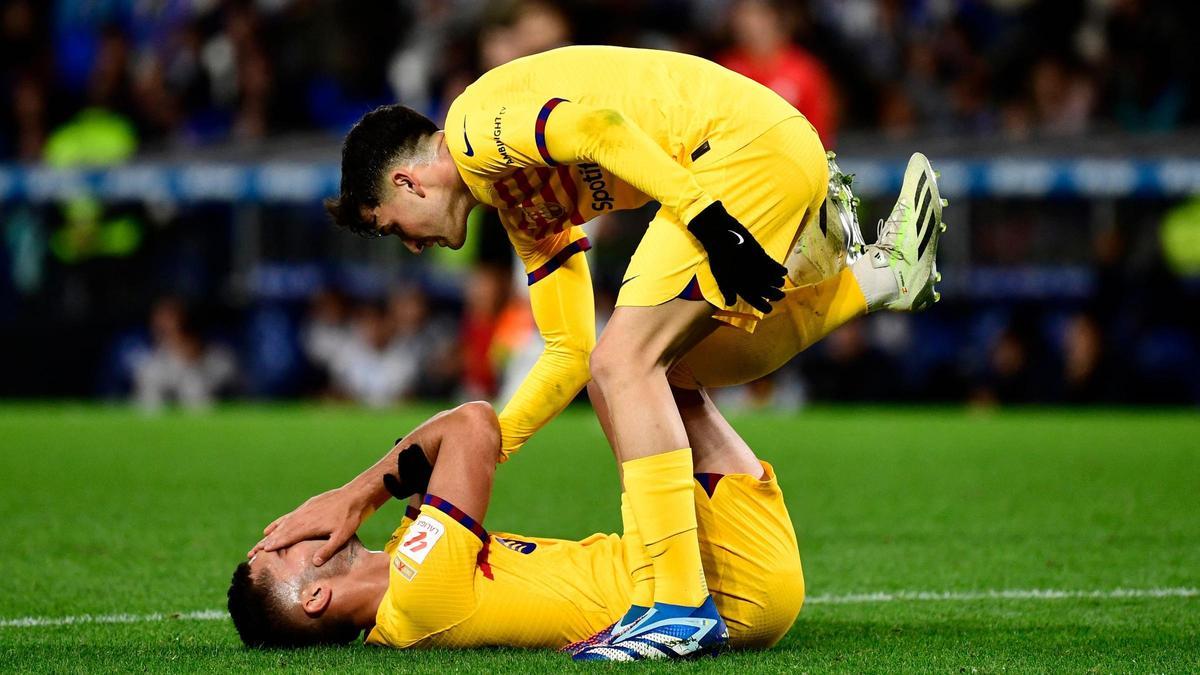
641,568
661,497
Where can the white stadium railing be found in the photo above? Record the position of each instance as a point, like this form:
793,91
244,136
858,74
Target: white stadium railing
293,182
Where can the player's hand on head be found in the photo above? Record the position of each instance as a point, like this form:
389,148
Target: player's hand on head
334,515
738,262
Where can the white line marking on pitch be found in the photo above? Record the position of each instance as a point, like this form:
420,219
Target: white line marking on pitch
36,621
846,599
1021,594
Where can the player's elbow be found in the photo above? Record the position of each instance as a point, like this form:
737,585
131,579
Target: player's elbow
601,121
581,359
573,355
479,419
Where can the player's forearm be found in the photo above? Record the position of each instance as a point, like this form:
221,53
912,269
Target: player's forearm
610,140
564,309
550,386
368,486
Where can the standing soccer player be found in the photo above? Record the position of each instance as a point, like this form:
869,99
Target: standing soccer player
555,139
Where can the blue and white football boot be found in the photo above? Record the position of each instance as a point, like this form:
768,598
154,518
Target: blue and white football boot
605,635
665,632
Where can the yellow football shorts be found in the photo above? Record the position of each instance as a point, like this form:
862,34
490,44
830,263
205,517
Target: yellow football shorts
751,559
775,186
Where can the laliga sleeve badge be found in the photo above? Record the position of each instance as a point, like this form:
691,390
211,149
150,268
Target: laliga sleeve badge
420,538
407,571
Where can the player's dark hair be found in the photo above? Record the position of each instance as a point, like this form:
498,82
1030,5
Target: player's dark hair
383,137
263,623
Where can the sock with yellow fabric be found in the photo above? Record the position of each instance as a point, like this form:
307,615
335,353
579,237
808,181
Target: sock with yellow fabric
641,568
661,499
804,316
819,309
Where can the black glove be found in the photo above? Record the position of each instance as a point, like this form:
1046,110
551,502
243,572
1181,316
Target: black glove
413,470
739,264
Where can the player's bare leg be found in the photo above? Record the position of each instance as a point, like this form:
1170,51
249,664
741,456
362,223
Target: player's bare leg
716,447
717,450
641,568
629,366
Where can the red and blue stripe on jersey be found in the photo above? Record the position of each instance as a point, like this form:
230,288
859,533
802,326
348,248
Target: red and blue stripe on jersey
457,514
539,129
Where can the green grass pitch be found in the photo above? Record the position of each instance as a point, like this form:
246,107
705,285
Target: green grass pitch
107,512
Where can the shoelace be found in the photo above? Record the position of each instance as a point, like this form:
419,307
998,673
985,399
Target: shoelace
885,228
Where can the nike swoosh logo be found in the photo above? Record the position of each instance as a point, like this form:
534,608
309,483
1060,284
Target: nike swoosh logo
740,238
470,152
630,279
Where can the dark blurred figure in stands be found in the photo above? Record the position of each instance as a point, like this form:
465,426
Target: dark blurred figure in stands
486,294
424,337
23,78
763,51
515,29
496,326
1013,371
508,30
371,368
181,367
1151,63
1063,97
325,333
1088,369
846,365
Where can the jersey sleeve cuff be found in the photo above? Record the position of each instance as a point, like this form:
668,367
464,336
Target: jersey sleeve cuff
539,130
692,210
458,515
577,246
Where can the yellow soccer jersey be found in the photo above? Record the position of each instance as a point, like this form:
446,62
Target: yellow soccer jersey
452,585
555,139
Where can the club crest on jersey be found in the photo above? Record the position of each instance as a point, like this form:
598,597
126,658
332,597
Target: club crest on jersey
517,545
545,218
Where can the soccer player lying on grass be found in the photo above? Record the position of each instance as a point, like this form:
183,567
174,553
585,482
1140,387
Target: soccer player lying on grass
444,581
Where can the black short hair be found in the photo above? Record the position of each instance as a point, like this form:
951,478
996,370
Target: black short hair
263,623
384,136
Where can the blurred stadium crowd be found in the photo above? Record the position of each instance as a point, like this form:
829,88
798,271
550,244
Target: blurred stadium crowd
160,302
190,72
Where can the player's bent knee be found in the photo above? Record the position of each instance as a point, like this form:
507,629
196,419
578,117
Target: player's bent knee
788,596
773,614
618,367
602,365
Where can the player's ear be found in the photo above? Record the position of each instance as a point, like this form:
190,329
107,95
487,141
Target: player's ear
315,598
405,179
